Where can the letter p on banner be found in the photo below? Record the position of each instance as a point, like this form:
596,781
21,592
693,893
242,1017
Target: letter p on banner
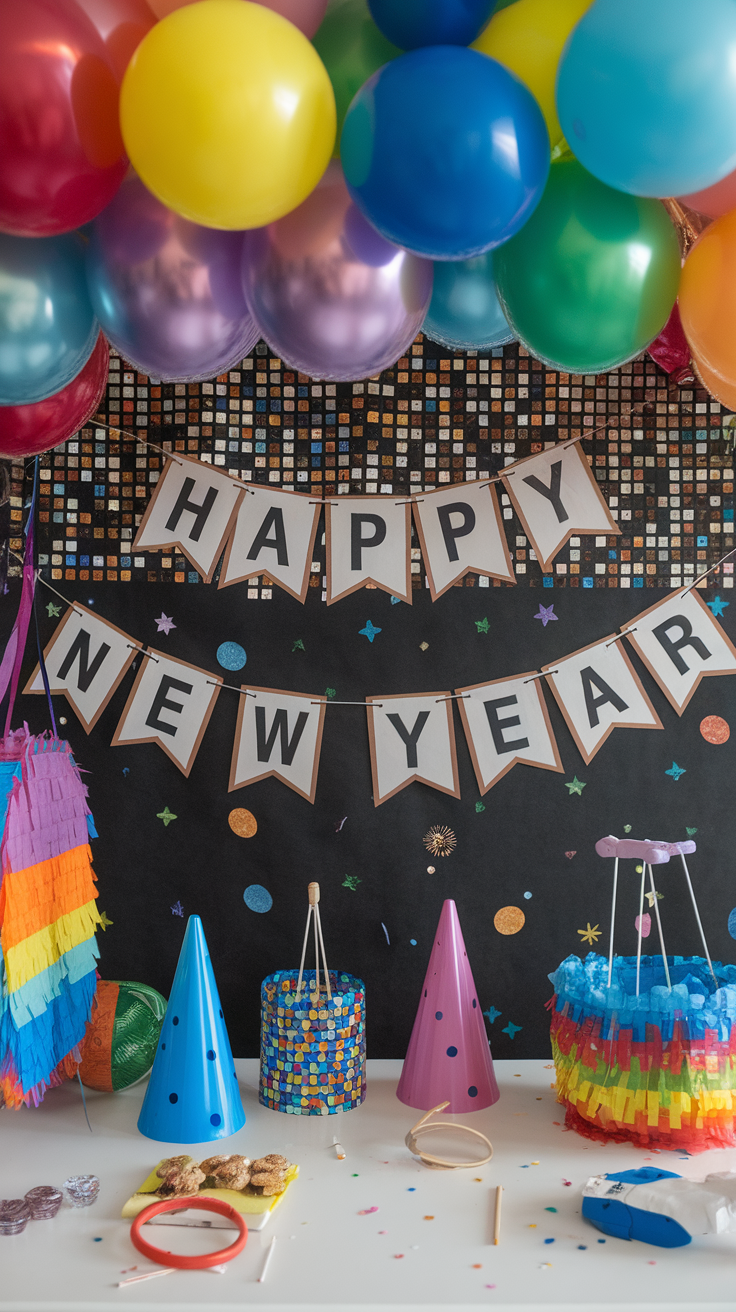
192,509
368,541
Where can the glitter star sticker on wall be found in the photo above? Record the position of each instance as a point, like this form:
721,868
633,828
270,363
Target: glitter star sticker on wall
650,897
482,625
53,611
104,920
166,815
545,614
676,771
511,1029
717,606
351,882
177,909
590,934
369,631
493,1014
164,624
576,786
298,645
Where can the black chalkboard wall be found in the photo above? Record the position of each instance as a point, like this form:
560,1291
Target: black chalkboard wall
516,845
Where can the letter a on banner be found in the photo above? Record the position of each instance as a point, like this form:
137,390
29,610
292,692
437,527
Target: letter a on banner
274,534
598,690
280,734
170,703
680,642
193,508
85,661
555,495
368,541
460,529
506,722
412,738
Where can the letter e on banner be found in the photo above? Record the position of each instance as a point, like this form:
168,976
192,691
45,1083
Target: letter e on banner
274,534
412,738
598,690
681,642
460,529
368,542
505,722
85,661
556,495
193,508
170,703
280,734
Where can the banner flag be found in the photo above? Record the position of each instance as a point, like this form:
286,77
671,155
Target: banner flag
192,509
274,534
506,721
170,703
556,495
85,661
681,642
412,738
598,690
460,529
368,542
280,734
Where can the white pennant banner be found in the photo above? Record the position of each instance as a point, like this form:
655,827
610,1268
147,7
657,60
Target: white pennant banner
412,738
274,534
193,508
368,541
598,690
507,721
556,495
460,529
170,703
280,734
680,643
85,661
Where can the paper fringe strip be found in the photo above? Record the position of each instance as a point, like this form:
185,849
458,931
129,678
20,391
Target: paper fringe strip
656,1071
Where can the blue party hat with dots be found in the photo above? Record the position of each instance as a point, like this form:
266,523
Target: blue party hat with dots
192,1094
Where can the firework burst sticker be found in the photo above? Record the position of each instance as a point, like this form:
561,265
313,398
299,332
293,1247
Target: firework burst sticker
440,840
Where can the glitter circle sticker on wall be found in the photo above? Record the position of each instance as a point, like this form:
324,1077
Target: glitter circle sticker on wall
257,898
509,920
231,656
242,822
715,730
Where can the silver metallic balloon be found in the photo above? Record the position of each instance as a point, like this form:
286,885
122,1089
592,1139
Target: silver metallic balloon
333,298
168,292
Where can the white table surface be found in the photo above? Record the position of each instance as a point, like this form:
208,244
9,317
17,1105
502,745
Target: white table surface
327,1254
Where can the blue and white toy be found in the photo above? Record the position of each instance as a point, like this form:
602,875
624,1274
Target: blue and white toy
660,1207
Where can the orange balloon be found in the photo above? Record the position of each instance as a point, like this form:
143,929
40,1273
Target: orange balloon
722,389
716,200
707,298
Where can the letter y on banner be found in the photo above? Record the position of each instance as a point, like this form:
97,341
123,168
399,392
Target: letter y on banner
274,534
85,661
460,529
681,642
506,722
170,704
368,541
280,734
192,508
555,495
412,738
598,690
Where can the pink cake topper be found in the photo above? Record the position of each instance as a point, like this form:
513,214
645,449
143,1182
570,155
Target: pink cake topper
449,1056
641,849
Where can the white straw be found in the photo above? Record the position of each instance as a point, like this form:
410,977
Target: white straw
613,921
659,927
641,915
147,1275
269,1255
324,954
304,951
697,917
316,950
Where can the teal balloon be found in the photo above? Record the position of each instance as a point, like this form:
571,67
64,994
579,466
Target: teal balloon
465,313
591,278
47,326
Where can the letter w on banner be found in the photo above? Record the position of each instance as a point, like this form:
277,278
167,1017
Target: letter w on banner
274,534
598,690
192,508
280,734
460,529
85,661
507,721
412,738
170,703
680,642
368,542
555,495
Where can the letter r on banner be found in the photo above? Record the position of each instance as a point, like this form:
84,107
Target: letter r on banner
85,661
412,738
280,734
506,722
681,642
170,704
368,542
192,509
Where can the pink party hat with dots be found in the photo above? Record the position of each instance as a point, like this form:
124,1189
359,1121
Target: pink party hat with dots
449,1056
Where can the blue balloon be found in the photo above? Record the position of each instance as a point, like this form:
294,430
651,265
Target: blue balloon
47,326
465,313
646,94
414,23
476,166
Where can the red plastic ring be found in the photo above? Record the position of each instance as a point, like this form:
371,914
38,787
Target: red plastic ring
164,1257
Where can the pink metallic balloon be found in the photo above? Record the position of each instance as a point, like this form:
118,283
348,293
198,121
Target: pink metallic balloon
304,14
333,298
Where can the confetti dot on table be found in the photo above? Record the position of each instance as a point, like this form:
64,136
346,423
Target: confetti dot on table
550,1209
477,1266
429,1218
257,898
509,920
97,1239
242,822
549,1241
231,656
411,1189
715,730
582,1247
601,1241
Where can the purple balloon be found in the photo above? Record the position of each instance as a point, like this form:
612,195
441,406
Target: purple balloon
333,298
167,292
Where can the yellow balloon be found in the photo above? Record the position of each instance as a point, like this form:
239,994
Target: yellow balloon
228,114
528,37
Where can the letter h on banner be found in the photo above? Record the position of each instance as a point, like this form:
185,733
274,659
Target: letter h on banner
192,509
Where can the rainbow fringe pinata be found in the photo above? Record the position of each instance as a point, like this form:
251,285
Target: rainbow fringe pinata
48,916
657,1070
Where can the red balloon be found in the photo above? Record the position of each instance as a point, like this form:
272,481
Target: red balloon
716,200
28,430
61,153
122,24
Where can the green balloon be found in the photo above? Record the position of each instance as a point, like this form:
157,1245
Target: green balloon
351,48
591,278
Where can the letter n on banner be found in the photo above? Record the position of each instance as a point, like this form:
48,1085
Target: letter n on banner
506,722
274,534
170,703
280,734
85,661
193,508
598,690
681,642
460,529
412,738
368,541
556,495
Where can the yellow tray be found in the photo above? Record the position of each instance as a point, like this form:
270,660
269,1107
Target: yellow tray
245,1203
